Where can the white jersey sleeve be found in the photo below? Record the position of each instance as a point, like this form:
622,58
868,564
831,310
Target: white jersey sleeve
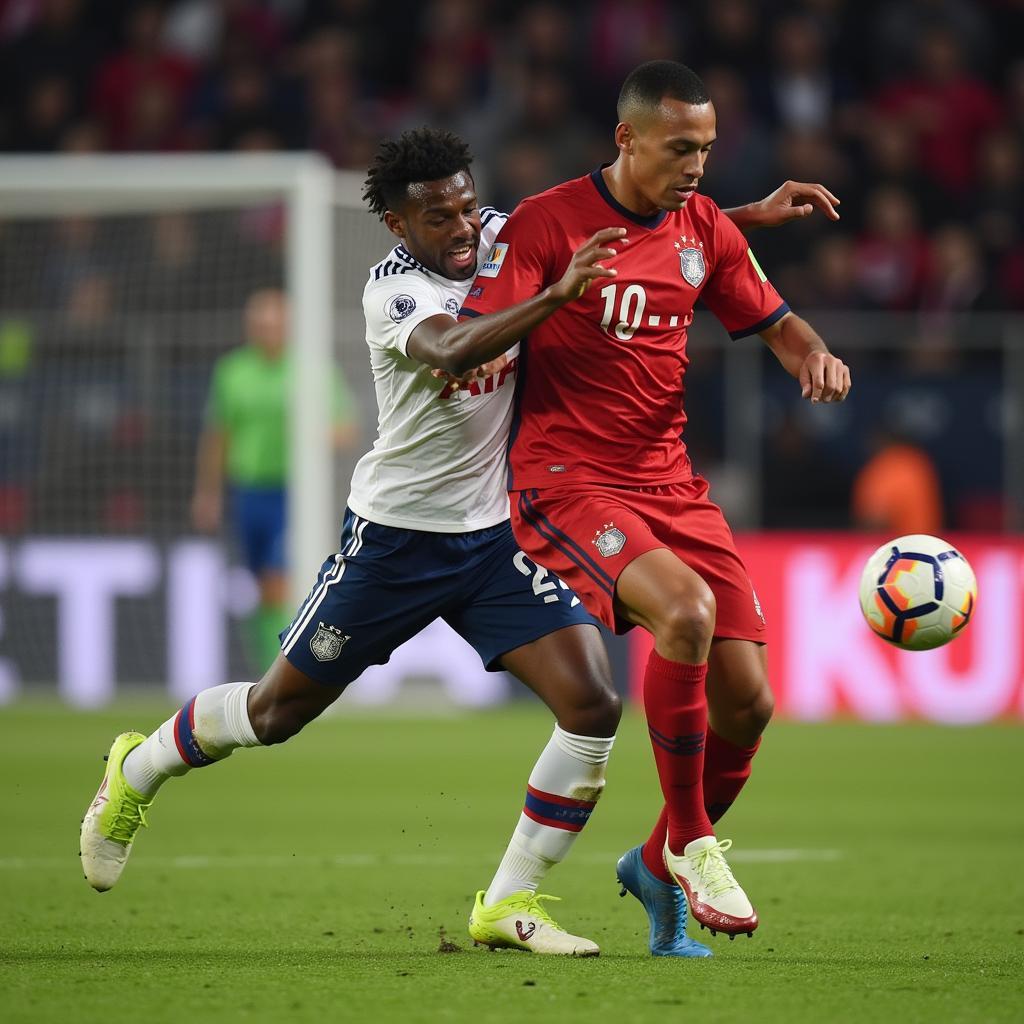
395,305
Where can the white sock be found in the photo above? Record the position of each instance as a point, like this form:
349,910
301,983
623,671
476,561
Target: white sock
212,724
565,784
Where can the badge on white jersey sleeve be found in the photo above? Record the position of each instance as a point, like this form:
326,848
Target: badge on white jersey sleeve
395,305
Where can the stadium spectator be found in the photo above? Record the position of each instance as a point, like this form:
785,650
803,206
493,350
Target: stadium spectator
47,113
806,487
946,109
897,491
898,27
544,115
996,209
743,163
58,41
801,91
955,282
887,154
892,253
729,32
828,280
140,91
442,93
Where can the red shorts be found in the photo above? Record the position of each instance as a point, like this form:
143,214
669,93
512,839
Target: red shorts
589,534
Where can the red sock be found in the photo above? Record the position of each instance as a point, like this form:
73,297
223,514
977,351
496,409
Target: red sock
653,851
677,719
726,770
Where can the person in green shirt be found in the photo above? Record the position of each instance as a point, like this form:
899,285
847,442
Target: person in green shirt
244,450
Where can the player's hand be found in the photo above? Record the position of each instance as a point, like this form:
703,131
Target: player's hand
585,267
494,366
478,372
207,511
795,199
824,378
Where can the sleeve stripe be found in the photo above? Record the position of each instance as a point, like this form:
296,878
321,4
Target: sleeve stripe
763,324
469,312
389,269
400,252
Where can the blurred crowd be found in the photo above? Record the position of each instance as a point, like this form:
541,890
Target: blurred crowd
912,111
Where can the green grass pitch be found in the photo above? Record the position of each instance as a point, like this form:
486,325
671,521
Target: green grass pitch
311,881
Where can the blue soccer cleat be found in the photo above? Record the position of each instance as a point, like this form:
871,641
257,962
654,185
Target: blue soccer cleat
665,905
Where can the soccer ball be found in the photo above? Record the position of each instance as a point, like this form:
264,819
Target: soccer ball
917,592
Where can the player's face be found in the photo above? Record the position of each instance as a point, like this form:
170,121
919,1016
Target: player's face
266,321
440,225
666,152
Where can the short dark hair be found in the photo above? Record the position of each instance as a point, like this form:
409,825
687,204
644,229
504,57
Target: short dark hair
420,154
647,85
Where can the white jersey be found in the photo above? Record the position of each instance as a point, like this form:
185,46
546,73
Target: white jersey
438,463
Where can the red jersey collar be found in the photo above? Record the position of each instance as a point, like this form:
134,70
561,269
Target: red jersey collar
645,222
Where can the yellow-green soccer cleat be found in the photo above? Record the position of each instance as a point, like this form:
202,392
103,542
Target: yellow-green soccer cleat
113,818
520,922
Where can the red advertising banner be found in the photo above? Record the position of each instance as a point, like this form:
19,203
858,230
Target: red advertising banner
825,662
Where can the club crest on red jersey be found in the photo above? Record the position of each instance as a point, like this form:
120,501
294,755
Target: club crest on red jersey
609,540
691,260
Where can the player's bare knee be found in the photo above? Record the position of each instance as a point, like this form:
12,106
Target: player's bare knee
761,710
592,708
688,622
598,717
745,723
277,723
272,718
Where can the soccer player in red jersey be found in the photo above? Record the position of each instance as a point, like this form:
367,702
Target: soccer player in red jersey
601,485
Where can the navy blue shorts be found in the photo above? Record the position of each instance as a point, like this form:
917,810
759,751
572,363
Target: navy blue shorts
384,585
259,516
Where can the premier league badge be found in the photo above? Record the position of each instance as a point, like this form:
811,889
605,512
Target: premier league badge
691,260
610,540
327,642
400,307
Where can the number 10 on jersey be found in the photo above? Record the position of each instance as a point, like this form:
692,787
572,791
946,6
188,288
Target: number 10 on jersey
630,310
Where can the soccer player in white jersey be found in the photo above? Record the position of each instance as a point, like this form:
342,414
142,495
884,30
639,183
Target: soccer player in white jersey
426,535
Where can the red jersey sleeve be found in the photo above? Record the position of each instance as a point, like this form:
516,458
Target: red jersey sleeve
738,293
519,264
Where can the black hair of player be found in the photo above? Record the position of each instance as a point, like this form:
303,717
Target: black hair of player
648,84
420,154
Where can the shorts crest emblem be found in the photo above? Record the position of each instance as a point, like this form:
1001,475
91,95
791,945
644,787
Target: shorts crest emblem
327,642
609,540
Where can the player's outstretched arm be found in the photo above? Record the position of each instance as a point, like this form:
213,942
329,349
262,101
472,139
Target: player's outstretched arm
823,377
458,346
790,201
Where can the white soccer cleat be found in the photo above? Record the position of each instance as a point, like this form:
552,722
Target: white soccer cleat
112,820
716,900
520,922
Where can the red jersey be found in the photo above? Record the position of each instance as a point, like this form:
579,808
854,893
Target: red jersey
600,392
